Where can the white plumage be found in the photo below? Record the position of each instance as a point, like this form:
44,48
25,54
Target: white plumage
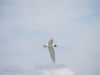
51,46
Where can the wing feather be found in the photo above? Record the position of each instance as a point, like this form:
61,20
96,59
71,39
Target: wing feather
52,53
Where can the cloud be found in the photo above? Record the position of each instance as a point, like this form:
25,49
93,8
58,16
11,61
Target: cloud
59,71
54,69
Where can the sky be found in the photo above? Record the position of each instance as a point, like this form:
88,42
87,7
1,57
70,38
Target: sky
26,25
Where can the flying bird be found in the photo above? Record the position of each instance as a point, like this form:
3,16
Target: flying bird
51,46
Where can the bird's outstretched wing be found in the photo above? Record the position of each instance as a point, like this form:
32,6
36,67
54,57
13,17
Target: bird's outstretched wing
51,49
52,53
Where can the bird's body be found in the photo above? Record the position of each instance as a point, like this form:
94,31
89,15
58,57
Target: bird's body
51,46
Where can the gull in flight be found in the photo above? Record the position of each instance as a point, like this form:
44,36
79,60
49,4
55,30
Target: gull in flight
50,45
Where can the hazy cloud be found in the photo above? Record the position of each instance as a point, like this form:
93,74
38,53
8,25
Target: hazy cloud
56,69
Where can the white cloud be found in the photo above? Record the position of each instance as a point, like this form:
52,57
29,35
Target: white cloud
55,69
58,71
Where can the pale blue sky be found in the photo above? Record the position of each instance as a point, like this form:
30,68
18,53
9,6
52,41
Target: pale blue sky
26,25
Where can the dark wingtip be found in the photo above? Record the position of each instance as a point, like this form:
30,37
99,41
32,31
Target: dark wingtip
55,46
